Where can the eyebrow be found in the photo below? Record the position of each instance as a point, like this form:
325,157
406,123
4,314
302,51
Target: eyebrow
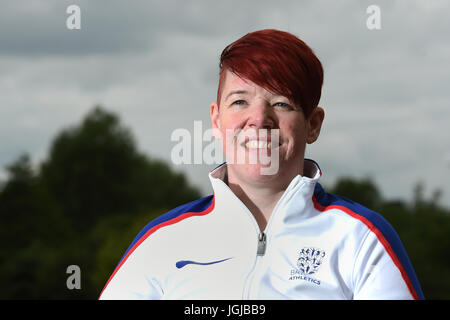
246,92
236,92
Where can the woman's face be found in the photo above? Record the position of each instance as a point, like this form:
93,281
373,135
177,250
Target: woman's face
250,120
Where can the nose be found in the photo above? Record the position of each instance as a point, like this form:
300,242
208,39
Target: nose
261,116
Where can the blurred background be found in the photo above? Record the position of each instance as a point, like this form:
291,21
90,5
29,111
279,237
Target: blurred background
86,117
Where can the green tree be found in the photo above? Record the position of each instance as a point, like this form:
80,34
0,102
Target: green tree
80,208
30,223
95,170
363,191
425,233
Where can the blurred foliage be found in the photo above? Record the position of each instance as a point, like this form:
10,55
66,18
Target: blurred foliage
95,191
82,206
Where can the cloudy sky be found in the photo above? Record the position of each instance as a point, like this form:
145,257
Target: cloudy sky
155,63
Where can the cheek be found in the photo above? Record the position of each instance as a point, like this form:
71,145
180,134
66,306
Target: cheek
291,129
233,120
229,124
294,133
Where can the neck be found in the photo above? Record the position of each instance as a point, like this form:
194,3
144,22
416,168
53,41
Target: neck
260,199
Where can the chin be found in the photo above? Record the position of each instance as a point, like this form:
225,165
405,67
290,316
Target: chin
255,172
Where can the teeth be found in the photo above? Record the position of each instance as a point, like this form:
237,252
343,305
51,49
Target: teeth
257,144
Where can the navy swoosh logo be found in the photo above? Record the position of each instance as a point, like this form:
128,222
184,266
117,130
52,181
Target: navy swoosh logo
180,264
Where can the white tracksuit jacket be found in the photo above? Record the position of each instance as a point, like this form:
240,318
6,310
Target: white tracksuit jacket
315,246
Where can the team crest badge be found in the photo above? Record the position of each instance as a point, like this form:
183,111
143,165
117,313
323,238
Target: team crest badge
309,261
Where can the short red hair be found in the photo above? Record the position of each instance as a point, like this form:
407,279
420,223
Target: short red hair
277,61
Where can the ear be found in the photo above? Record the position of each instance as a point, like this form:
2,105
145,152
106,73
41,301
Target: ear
215,120
315,120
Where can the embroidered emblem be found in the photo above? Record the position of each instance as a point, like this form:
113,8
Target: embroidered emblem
309,261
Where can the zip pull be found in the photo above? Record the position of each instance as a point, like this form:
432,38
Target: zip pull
261,244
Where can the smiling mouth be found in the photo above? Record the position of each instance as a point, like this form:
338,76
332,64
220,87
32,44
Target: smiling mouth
258,144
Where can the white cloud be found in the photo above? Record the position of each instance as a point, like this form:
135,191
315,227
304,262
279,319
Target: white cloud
156,64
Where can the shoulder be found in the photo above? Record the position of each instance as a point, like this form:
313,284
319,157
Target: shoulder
324,201
377,225
372,221
197,207
363,217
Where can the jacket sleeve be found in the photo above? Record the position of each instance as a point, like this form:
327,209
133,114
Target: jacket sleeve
136,275
382,269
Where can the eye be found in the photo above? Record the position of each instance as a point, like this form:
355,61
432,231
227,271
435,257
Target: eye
283,105
239,102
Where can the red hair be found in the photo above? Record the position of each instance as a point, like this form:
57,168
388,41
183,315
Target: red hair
277,61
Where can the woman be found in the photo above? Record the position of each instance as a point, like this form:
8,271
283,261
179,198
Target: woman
261,235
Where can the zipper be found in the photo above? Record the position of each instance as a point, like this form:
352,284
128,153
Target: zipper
261,249
260,252
261,244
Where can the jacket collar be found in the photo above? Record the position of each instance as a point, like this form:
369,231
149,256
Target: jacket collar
295,203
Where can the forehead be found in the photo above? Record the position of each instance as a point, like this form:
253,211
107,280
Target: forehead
234,83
